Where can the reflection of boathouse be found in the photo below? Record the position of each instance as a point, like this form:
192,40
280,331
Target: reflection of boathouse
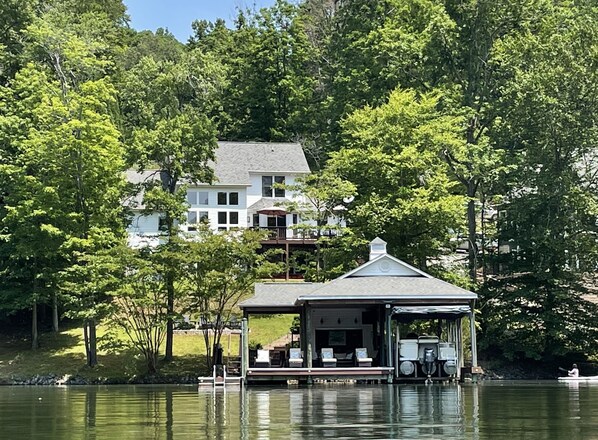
358,326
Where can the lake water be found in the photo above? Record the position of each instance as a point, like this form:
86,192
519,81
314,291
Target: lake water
496,410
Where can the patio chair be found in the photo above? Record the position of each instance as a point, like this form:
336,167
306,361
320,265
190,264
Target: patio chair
295,358
327,357
361,358
262,359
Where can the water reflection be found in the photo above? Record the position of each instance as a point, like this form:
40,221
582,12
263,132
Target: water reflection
499,410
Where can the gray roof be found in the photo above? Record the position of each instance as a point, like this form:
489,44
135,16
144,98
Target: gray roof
387,287
278,294
136,178
235,160
358,289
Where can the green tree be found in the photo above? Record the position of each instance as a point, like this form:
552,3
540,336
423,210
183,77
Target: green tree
221,268
269,87
165,105
15,16
537,309
404,192
325,200
139,303
380,45
64,142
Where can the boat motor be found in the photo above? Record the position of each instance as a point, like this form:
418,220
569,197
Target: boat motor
429,365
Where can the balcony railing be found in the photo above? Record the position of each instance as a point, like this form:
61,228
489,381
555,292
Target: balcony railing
284,233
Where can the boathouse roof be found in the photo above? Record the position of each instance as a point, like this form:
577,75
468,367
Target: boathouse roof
383,279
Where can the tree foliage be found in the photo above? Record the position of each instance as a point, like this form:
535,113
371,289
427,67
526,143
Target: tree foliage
403,191
552,206
220,269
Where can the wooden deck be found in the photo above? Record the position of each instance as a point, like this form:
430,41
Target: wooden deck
382,374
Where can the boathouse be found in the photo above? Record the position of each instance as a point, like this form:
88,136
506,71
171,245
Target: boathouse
367,325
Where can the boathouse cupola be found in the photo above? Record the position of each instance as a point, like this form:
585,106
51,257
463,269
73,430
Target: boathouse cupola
377,248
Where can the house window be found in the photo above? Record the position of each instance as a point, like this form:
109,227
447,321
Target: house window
277,222
196,217
197,197
233,198
267,186
222,198
233,218
222,218
192,221
279,192
162,226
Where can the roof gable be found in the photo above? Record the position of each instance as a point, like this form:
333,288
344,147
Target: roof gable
385,266
236,160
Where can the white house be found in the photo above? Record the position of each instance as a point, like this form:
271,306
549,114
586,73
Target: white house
243,194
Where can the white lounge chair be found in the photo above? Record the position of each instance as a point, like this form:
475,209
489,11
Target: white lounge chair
328,359
361,357
295,358
262,359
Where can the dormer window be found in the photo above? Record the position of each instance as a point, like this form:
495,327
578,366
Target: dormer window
268,189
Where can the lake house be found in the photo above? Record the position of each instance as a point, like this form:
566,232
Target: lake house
244,194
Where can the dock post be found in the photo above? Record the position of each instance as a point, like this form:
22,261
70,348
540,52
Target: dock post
308,338
388,331
244,350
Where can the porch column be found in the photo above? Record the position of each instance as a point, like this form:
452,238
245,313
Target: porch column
309,342
302,333
381,336
244,348
388,331
474,345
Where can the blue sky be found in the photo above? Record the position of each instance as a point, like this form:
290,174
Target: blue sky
177,15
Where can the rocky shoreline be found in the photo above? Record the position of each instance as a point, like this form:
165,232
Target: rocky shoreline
505,372
56,380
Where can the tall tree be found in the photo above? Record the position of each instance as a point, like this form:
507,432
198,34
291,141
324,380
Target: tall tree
67,144
269,86
404,192
552,205
165,105
379,45
138,302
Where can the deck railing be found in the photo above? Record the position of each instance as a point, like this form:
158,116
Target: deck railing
286,233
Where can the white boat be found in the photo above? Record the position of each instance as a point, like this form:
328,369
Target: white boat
578,379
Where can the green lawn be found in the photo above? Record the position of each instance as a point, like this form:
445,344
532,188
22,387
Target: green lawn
64,353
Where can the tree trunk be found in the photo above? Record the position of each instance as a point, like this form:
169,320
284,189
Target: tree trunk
34,332
92,360
169,323
471,235
55,313
86,339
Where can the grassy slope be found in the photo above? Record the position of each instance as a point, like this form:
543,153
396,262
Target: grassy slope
64,353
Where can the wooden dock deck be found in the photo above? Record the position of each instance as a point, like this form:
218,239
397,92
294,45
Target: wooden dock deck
381,374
